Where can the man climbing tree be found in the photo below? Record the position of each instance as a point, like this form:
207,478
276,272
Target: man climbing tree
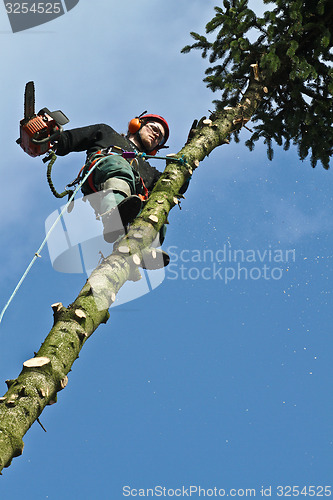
282,79
121,183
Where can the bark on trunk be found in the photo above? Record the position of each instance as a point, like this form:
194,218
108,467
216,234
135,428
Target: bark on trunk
43,376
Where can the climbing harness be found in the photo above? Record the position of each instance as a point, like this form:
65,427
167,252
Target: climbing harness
99,157
131,156
145,196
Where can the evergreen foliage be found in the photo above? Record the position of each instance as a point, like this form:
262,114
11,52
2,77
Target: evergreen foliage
292,44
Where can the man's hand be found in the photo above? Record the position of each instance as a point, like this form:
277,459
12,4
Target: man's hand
192,131
196,125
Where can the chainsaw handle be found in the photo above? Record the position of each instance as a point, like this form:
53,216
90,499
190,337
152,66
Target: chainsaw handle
51,138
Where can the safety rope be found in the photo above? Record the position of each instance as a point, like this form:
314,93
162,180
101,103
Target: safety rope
51,158
135,154
181,160
37,254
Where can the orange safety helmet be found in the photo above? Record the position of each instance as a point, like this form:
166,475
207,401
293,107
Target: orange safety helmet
136,123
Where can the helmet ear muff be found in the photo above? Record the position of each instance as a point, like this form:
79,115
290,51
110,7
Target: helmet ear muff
134,125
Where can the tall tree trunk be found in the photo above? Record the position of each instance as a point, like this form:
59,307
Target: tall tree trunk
46,374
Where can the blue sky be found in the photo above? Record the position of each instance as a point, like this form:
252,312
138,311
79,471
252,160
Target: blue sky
200,382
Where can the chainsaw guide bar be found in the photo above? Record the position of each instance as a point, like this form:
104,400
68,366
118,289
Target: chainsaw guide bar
39,131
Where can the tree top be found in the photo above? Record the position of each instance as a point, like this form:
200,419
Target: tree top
292,44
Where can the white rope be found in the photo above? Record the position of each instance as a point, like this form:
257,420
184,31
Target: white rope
37,254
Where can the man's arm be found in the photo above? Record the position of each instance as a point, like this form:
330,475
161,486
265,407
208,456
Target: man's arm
93,137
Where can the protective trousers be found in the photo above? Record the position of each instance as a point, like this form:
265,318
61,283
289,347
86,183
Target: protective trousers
113,178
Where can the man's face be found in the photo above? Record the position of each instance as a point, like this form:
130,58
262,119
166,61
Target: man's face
151,134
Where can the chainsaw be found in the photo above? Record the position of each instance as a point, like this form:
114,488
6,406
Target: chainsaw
39,131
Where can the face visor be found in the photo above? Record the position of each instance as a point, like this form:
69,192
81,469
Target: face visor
158,131
149,120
